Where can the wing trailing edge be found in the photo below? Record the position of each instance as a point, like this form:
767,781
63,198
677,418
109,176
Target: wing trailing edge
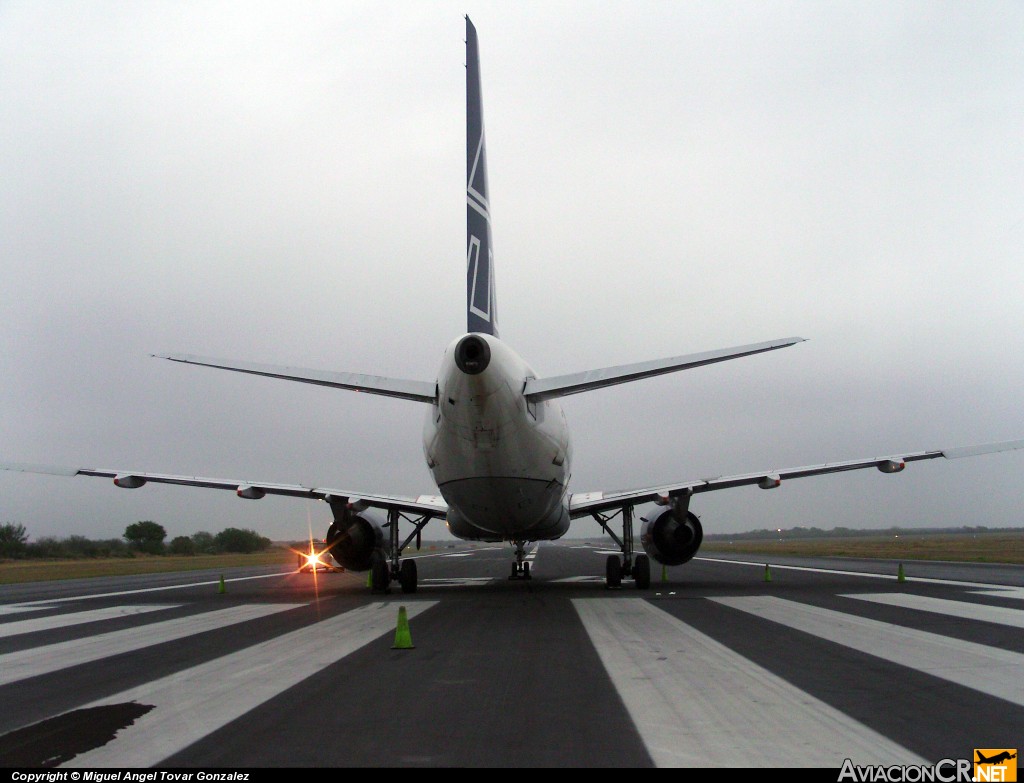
582,503
539,389
427,505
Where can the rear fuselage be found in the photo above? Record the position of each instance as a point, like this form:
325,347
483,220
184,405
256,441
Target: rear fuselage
501,463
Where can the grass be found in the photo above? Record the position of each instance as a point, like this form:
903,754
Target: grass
15,571
967,548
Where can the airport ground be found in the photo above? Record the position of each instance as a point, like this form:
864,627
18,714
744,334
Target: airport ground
723,662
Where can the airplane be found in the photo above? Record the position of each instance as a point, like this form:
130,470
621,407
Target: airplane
996,759
496,440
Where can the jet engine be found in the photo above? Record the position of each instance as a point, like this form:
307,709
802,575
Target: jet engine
669,539
354,536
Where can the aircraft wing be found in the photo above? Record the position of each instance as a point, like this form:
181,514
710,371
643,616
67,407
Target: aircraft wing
583,503
417,391
428,505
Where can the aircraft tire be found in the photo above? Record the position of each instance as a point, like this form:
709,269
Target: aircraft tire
379,573
407,576
613,571
642,572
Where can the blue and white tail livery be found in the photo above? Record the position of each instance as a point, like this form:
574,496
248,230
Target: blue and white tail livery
495,439
482,314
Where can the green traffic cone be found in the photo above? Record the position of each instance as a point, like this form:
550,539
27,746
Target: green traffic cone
403,639
221,587
900,577
767,573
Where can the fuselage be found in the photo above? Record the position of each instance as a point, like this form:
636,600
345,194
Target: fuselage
501,463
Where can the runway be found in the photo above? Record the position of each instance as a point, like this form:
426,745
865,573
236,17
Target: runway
714,666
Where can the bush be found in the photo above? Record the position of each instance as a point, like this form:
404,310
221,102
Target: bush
182,545
146,537
12,540
204,543
233,539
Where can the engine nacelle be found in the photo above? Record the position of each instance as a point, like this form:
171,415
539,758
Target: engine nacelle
126,481
354,536
669,540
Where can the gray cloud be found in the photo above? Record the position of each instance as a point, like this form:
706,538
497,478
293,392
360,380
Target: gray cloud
283,183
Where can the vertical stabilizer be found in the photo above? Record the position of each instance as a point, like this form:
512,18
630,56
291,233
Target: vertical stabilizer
482,312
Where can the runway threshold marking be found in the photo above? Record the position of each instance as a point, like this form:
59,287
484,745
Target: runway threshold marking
1016,593
924,603
54,657
989,670
195,702
34,624
20,608
696,703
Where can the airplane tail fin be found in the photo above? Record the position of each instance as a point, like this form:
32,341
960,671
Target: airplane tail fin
482,313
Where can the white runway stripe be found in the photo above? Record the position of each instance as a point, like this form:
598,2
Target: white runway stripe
77,618
197,701
54,657
1016,593
697,703
987,669
19,608
924,603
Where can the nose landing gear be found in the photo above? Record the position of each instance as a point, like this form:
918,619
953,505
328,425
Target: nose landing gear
520,568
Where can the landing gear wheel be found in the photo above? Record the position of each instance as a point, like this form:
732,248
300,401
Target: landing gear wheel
642,572
380,573
407,576
613,571
526,571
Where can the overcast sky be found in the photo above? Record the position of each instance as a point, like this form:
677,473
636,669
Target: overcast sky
284,183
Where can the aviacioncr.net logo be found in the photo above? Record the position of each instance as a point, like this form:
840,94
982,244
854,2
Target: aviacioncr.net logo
944,771
995,764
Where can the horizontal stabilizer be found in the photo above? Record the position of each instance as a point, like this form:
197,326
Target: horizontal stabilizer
418,391
539,389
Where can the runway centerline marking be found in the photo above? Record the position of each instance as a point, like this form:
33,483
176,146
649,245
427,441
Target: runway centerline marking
696,703
195,702
989,670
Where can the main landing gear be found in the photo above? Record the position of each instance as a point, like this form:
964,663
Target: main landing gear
384,568
520,568
616,568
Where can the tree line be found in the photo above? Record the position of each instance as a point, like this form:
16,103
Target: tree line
146,537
